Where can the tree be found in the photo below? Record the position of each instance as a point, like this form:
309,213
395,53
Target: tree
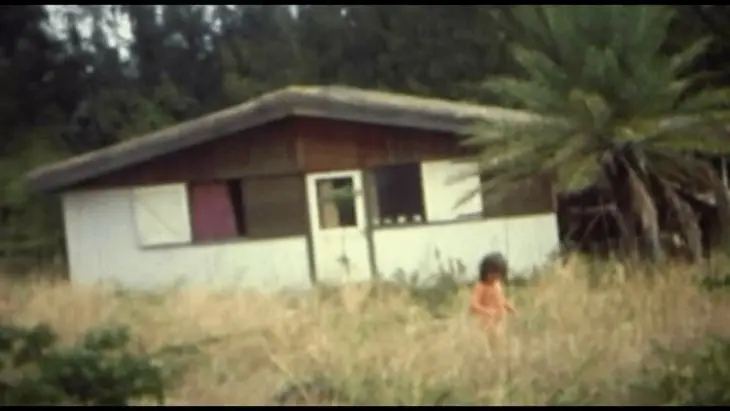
713,21
603,102
38,81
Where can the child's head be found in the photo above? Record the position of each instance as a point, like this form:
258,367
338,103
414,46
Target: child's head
493,267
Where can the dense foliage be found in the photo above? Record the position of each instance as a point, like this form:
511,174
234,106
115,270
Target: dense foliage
609,104
76,78
99,370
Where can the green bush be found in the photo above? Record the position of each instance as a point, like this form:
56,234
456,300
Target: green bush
697,376
99,370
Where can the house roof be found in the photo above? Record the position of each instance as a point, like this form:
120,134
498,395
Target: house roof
328,102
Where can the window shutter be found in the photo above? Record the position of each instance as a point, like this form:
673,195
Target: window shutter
275,206
161,214
441,194
212,212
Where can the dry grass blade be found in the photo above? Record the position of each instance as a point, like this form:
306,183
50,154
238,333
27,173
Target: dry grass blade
577,338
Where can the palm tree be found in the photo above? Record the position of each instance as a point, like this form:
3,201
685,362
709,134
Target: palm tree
607,105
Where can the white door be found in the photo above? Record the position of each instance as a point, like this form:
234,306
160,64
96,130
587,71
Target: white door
337,210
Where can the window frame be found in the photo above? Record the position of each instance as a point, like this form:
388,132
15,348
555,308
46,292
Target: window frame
376,200
167,193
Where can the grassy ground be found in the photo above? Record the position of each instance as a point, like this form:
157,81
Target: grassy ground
578,338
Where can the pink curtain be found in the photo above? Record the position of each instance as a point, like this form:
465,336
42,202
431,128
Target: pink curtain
212,212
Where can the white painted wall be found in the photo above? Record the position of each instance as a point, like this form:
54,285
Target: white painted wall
103,245
526,241
460,237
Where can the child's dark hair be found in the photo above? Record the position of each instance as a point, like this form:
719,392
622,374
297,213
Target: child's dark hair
493,263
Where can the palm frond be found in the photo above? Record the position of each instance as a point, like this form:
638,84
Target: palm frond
702,132
708,100
684,142
681,168
579,172
685,58
538,127
644,29
541,69
596,77
590,110
536,97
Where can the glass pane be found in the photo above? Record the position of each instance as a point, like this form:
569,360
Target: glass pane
336,199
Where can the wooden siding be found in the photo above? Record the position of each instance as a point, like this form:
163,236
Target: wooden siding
327,145
275,206
294,146
265,150
286,146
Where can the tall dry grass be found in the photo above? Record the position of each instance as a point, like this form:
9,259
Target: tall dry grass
575,339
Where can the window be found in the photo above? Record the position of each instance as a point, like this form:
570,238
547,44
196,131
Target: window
396,195
255,208
336,202
161,215
217,210
276,206
451,190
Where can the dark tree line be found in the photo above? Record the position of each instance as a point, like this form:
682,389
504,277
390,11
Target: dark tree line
72,81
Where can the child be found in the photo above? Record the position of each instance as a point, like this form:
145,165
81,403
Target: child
487,299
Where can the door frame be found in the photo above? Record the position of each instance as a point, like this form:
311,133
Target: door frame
362,215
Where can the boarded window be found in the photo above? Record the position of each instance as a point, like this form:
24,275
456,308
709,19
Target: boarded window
217,210
445,183
395,195
275,206
161,215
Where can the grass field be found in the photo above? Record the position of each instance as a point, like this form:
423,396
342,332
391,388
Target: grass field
582,335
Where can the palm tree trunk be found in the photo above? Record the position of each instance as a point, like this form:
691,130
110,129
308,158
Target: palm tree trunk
627,226
636,210
630,185
643,206
687,220
722,202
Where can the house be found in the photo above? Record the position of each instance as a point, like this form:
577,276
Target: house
304,184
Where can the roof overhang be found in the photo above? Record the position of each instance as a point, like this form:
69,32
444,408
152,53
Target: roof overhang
334,102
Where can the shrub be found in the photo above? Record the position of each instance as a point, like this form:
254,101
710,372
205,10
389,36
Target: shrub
697,376
99,370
